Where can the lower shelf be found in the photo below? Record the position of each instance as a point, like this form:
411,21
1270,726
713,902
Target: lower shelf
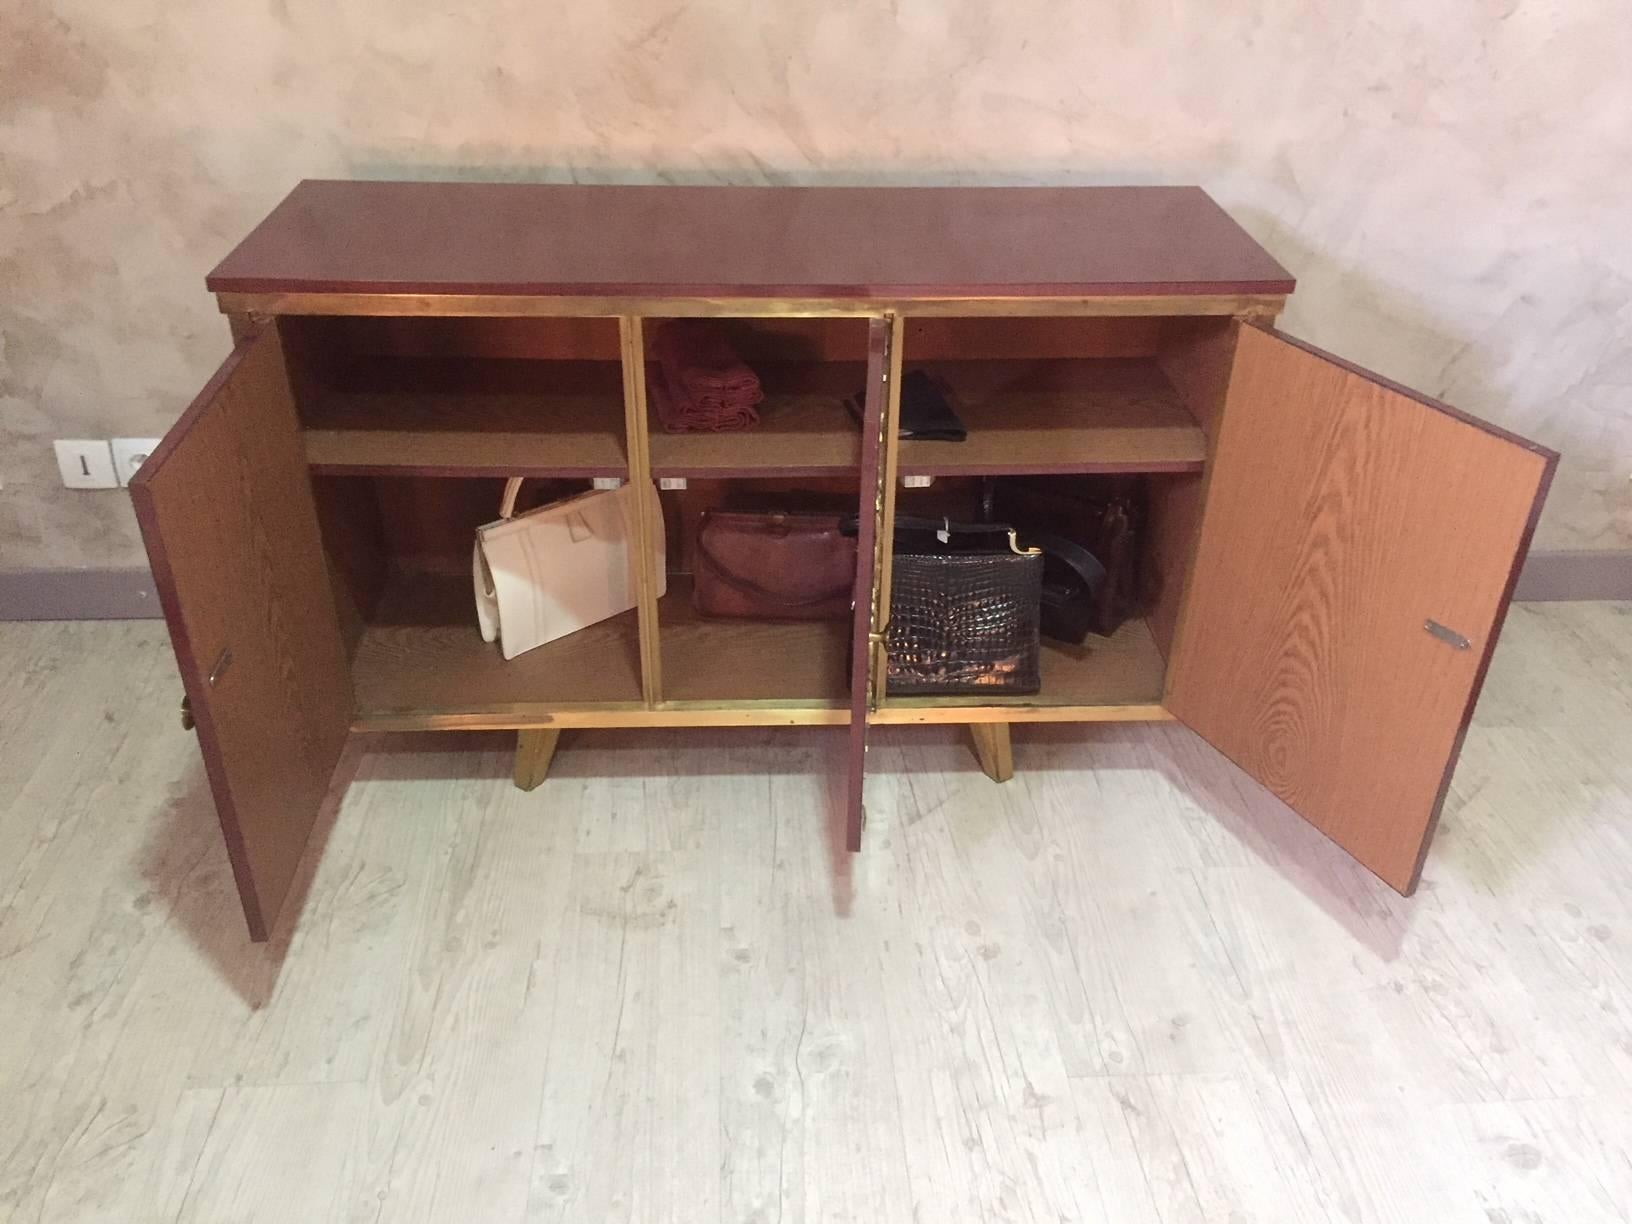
422,662
1119,678
781,663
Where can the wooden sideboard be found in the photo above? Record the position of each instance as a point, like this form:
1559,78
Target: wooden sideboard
1333,554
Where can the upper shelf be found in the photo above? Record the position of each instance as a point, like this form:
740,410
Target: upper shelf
445,417
804,428
797,435
838,243
1035,417
565,419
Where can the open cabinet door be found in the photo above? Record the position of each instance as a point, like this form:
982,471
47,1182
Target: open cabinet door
1357,553
869,611
226,511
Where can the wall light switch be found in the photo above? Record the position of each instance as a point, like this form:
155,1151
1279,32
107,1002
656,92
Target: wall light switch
129,454
85,464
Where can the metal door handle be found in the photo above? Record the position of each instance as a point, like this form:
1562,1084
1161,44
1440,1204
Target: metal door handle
222,662
1447,635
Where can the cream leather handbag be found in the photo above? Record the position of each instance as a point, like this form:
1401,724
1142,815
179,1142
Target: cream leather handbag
551,571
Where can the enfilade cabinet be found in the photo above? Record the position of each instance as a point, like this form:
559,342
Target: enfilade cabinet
1332,555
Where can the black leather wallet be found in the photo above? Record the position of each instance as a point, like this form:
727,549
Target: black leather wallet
926,413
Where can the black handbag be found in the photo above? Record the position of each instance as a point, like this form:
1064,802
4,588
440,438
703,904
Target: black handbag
1089,529
965,602
1073,588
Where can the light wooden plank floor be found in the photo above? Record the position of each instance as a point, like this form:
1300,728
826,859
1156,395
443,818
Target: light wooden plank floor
1126,986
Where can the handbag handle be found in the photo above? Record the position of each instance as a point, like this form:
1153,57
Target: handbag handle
947,527
507,503
1087,566
908,522
911,523
578,528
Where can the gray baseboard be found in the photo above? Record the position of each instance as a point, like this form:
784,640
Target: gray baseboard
1576,574
87,594
128,594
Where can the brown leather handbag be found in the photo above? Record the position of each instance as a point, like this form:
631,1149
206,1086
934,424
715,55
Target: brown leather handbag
773,566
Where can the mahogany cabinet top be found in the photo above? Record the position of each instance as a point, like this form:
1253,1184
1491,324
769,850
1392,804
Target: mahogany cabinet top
795,242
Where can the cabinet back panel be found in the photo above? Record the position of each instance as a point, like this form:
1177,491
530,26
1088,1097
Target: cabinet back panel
768,339
348,515
549,339
374,526
999,336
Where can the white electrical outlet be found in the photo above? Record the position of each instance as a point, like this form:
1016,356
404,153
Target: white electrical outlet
671,482
606,482
129,454
85,464
917,482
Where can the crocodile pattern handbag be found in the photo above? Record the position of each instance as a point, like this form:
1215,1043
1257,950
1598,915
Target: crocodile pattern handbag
964,610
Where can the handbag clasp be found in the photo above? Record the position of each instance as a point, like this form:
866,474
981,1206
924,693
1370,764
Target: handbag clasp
1014,546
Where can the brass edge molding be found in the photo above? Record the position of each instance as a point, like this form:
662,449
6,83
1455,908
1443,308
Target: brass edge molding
1265,306
896,714
626,716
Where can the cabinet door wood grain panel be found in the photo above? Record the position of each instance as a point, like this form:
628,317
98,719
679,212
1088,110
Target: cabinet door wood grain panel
226,511
1344,516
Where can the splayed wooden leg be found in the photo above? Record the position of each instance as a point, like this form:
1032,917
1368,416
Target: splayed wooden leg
993,748
534,751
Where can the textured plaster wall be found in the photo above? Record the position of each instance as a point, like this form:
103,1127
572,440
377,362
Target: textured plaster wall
1451,182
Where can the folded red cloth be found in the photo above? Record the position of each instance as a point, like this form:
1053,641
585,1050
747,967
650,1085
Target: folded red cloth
702,383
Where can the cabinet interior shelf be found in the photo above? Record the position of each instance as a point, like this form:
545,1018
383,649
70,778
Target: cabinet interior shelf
469,418
566,419
788,663
799,434
421,661
1059,416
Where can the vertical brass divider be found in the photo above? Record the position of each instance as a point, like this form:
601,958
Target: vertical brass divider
631,334
888,480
